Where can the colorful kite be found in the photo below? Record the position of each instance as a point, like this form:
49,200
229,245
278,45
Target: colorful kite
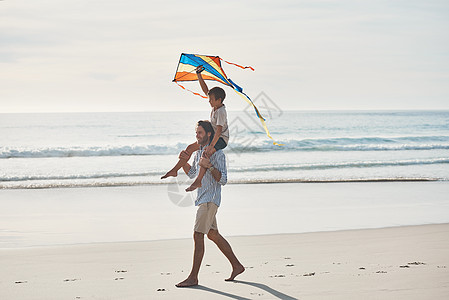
212,71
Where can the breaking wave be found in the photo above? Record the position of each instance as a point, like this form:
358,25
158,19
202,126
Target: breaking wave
319,145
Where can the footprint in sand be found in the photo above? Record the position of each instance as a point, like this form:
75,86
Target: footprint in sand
18,282
74,279
119,278
309,274
416,263
291,265
160,290
121,271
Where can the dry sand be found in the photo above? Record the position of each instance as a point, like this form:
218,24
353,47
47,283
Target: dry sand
410,262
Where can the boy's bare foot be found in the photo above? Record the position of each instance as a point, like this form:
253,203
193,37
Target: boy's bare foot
188,282
170,173
236,271
193,187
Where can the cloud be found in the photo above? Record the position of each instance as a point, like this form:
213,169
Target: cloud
116,55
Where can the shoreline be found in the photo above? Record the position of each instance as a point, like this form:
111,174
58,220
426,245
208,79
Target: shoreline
230,182
406,262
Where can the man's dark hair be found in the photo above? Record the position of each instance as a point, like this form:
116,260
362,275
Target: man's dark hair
207,126
218,93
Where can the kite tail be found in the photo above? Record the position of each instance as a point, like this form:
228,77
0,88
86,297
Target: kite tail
239,91
262,120
191,91
248,67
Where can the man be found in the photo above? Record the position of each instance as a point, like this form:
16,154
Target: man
208,201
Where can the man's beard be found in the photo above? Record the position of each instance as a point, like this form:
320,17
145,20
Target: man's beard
204,140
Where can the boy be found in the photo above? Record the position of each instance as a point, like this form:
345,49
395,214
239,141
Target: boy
218,118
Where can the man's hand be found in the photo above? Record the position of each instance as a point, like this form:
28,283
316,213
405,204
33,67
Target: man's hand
205,162
183,155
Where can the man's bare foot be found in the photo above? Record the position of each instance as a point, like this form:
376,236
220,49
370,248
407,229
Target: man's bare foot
170,174
193,187
188,282
236,271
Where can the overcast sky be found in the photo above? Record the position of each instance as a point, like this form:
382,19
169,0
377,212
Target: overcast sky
110,55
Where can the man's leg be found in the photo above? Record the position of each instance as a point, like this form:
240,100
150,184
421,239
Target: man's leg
198,254
225,248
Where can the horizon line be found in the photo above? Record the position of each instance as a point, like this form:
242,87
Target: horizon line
284,110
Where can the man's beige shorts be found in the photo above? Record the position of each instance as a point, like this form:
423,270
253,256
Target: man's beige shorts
205,217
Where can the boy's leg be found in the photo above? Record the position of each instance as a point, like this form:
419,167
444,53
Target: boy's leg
225,248
174,171
197,183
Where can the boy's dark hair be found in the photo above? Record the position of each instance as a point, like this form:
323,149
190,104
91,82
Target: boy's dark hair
218,93
207,126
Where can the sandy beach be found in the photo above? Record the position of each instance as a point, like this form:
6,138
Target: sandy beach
410,262
68,243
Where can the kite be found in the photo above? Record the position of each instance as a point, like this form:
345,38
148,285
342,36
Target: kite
212,71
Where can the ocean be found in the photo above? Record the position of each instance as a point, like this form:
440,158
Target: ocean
54,150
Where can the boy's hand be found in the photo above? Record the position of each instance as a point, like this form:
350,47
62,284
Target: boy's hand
209,151
199,69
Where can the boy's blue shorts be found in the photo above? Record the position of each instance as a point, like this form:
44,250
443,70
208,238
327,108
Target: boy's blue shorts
220,144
